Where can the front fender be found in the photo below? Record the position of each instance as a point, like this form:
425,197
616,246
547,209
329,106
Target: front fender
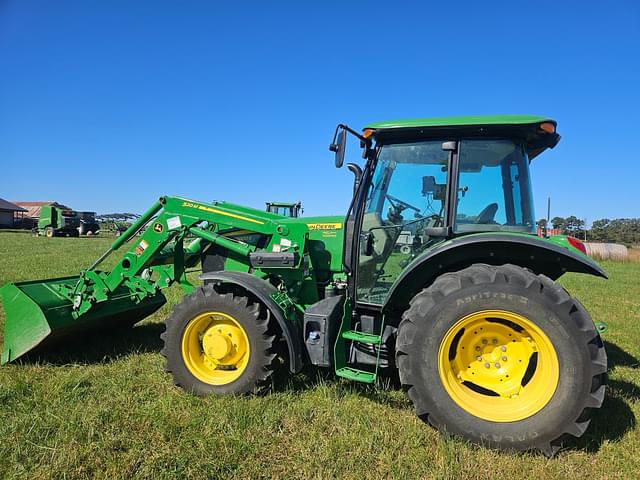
263,291
539,255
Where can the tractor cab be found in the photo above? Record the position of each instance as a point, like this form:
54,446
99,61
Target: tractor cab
428,181
286,209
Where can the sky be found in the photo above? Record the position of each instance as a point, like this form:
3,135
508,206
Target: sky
105,106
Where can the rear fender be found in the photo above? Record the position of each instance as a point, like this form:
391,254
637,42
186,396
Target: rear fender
263,291
536,254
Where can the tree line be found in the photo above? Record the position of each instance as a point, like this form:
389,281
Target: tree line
618,230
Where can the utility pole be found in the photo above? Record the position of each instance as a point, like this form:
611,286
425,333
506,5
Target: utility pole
546,228
585,229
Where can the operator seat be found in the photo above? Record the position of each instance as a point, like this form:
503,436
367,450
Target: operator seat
382,247
487,214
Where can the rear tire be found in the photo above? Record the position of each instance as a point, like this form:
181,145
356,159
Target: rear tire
462,337
219,343
49,232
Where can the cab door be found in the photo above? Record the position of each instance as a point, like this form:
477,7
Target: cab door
406,194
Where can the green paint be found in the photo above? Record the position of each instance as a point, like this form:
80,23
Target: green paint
60,221
461,121
178,229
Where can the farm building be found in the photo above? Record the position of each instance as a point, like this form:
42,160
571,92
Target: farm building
10,213
549,232
33,208
32,212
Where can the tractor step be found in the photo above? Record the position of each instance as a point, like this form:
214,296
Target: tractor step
361,337
357,375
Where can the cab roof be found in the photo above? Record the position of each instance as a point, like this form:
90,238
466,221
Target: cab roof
527,128
461,121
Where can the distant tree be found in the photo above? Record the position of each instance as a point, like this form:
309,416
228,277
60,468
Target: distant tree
558,222
573,226
542,223
618,230
600,230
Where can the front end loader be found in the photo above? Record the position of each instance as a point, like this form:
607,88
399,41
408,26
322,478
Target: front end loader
486,344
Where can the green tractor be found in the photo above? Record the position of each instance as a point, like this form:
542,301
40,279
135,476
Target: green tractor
486,344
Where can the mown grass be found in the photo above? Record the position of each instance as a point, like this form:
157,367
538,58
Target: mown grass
104,408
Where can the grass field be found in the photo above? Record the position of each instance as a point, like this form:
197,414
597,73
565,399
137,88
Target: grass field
104,408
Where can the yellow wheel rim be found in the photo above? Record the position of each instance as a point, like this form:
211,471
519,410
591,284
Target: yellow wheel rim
215,348
498,365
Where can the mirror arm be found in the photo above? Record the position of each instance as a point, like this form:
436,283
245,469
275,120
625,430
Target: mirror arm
351,131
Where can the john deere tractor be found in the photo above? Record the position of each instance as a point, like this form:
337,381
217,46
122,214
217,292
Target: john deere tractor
486,344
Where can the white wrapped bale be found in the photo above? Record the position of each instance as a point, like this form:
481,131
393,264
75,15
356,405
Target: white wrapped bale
607,251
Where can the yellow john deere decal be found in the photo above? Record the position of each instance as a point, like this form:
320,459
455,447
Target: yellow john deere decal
219,212
324,226
158,228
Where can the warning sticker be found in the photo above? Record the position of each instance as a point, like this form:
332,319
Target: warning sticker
276,248
285,242
141,247
173,223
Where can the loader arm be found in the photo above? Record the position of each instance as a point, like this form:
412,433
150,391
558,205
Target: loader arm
149,265
174,218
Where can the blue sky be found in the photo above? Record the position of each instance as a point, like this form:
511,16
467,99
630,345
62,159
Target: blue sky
107,105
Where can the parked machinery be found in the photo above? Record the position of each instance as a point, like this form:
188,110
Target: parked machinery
485,342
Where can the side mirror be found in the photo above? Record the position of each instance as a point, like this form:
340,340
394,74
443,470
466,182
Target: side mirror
339,147
357,173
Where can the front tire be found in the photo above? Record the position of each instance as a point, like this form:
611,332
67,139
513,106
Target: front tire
219,343
502,357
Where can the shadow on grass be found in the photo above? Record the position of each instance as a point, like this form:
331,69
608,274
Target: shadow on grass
100,346
313,377
610,423
619,358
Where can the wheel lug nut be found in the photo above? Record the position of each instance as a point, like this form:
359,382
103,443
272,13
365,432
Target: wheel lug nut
479,358
497,365
484,341
504,359
495,341
503,348
477,349
487,365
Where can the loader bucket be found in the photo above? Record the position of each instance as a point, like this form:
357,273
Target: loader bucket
36,315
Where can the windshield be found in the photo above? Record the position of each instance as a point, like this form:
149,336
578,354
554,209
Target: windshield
407,197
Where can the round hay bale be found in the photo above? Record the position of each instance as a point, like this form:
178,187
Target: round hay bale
607,251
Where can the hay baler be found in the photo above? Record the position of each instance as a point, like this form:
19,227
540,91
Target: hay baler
486,344
55,221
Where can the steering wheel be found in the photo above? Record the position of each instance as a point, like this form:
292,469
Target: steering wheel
396,203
